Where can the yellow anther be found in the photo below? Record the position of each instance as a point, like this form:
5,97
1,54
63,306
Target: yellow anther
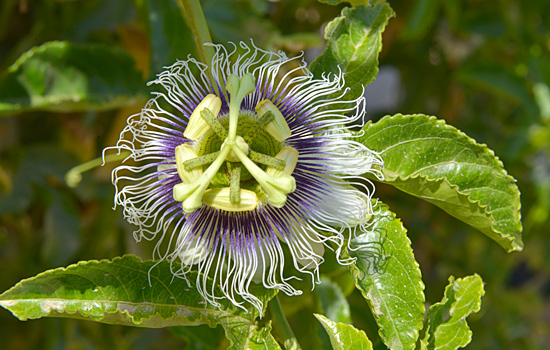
290,156
276,188
220,198
190,194
183,153
278,127
197,126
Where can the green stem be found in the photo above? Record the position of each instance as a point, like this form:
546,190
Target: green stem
74,176
281,325
191,11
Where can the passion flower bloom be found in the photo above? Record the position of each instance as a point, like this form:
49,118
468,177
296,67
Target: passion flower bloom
238,159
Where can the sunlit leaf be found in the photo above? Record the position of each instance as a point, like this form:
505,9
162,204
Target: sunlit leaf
60,76
344,336
446,327
354,41
389,278
431,160
119,292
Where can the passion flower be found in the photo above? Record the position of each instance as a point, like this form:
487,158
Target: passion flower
239,159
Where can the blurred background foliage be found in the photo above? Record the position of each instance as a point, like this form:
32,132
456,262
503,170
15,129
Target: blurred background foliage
482,66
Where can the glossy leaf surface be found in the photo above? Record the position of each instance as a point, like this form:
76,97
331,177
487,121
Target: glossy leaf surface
446,327
429,159
389,278
354,41
344,336
132,292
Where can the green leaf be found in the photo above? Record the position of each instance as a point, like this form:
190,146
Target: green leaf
118,292
446,327
389,278
344,336
431,160
354,41
60,76
333,302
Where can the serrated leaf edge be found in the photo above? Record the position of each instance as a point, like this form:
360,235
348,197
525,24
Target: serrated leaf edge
518,246
96,262
354,270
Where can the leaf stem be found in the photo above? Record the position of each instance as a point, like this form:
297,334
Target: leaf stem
281,325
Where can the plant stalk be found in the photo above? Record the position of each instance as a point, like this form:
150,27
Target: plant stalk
74,175
281,326
191,11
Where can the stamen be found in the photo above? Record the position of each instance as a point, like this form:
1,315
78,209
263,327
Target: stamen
191,194
183,154
258,126
261,158
278,127
197,126
275,188
214,123
289,155
235,185
220,198
200,161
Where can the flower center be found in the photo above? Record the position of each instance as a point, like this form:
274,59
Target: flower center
235,158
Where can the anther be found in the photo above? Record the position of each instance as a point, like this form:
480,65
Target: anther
264,159
288,155
190,194
258,126
200,161
278,127
185,153
197,126
214,123
220,198
235,185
